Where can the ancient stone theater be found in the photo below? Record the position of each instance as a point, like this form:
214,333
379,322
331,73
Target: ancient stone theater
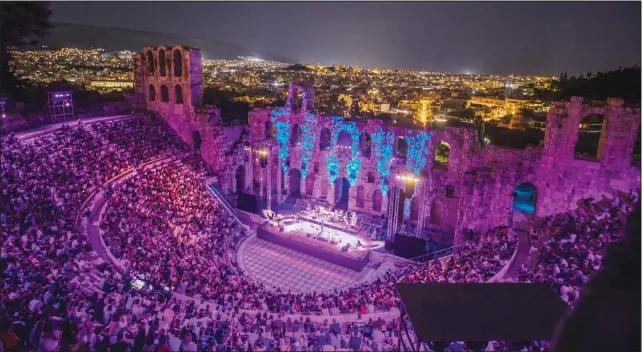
414,181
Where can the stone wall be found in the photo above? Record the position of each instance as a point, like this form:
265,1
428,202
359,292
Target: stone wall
182,106
472,190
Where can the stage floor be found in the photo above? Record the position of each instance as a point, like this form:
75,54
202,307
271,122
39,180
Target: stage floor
320,241
328,237
288,270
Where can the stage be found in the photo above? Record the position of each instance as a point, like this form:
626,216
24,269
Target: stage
321,240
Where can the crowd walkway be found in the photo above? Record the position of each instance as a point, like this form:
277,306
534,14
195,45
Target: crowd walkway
49,128
523,255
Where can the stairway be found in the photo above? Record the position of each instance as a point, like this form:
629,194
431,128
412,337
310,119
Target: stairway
524,255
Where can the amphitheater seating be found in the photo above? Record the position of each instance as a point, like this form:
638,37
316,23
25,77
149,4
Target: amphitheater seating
165,225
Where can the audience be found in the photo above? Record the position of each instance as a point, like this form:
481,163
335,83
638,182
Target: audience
165,229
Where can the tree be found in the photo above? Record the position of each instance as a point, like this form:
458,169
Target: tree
21,23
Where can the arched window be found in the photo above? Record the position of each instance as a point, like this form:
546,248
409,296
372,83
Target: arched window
402,148
178,63
361,196
295,136
588,139
376,200
370,177
525,199
152,92
178,92
450,191
164,94
150,62
344,139
270,130
324,139
364,144
442,154
162,65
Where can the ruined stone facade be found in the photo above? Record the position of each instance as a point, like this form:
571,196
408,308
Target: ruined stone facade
171,81
315,155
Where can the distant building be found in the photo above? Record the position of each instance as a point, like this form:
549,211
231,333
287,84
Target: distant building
126,54
539,123
111,84
380,107
108,54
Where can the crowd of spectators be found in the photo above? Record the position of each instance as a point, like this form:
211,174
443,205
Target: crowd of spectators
574,242
166,230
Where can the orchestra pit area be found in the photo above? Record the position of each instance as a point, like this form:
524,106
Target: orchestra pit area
111,237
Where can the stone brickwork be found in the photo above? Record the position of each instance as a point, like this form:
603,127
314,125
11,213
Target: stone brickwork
182,78
473,190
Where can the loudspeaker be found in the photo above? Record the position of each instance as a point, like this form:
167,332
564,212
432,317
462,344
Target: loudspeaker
247,202
409,246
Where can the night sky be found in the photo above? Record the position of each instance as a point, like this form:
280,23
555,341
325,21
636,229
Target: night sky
520,37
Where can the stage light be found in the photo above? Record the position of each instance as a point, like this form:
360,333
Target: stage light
308,138
282,136
417,151
382,142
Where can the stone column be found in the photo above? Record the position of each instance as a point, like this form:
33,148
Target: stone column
279,176
352,197
331,199
368,204
316,187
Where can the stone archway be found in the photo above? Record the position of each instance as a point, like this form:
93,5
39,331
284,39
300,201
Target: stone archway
341,193
361,196
588,144
240,179
442,155
309,184
295,136
365,142
294,182
178,63
525,200
344,139
270,130
324,138
401,148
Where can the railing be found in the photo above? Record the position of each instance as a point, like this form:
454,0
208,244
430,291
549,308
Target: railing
222,200
229,208
232,123
436,255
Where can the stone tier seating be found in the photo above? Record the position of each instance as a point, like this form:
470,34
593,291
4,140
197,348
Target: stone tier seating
52,274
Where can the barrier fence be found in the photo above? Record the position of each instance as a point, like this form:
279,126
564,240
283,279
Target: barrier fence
436,255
